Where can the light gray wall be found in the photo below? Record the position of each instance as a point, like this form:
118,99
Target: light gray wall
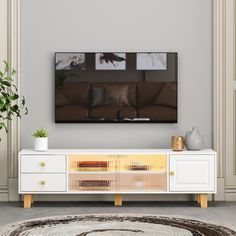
184,26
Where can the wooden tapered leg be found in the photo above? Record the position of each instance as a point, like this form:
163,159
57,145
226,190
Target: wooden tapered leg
27,200
32,199
118,200
203,200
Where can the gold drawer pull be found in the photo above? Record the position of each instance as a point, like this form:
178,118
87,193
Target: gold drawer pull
172,173
42,182
42,164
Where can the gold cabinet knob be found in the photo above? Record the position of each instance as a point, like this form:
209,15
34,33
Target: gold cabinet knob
172,173
42,182
42,163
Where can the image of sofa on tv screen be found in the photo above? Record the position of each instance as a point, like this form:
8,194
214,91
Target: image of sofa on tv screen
116,102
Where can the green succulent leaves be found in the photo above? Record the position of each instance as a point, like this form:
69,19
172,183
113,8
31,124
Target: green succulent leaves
40,133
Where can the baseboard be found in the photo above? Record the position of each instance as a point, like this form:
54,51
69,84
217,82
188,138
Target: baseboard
3,193
3,197
230,193
110,197
13,190
231,197
10,192
220,196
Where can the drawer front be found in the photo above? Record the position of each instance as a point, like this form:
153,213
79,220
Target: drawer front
192,173
43,183
43,164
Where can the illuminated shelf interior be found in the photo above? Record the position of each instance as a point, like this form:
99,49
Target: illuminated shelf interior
118,172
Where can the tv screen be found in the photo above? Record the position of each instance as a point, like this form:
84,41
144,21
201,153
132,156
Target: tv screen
109,87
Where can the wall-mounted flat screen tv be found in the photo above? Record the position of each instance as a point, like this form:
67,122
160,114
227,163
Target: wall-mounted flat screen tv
110,87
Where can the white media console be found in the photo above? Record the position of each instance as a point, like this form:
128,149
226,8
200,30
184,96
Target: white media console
117,171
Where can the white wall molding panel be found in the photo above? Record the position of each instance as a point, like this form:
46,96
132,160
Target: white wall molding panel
10,51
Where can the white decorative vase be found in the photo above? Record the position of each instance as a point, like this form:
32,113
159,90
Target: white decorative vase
41,144
193,140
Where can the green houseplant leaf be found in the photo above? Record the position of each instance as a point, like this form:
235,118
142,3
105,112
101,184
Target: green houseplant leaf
10,102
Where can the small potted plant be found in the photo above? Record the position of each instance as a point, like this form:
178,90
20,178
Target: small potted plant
41,140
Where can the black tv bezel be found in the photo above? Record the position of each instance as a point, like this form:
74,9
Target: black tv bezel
119,121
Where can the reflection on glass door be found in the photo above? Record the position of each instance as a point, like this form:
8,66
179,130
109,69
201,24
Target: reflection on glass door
142,173
92,172
118,173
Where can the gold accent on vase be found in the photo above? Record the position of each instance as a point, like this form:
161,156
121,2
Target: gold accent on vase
177,143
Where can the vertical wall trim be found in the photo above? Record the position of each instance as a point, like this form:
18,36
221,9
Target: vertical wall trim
234,129
14,60
3,143
10,51
219,83
234,25
13,126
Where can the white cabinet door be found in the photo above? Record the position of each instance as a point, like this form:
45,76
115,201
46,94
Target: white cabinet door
192,173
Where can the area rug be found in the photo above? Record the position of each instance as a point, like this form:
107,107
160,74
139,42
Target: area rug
112,225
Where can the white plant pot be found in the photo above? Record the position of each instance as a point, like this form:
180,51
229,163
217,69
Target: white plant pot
41,144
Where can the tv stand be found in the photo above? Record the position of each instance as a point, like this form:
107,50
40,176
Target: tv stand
117,172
